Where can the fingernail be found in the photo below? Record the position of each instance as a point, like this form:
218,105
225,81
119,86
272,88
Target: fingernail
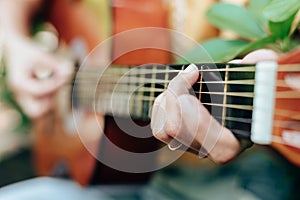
190,68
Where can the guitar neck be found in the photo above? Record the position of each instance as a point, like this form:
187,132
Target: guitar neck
226,90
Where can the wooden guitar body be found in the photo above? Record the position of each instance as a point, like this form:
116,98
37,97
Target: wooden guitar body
62,146
61,152
287,118
65,149
287,125
74,151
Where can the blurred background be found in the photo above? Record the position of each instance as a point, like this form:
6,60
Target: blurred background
261,170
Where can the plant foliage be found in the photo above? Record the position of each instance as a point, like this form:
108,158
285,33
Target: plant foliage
272,24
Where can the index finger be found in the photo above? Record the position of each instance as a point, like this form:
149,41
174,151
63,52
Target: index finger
178,86
184,80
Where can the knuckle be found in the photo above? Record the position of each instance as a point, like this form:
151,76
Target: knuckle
171,128
161,136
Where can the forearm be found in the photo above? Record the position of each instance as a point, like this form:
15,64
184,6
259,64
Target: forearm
15,16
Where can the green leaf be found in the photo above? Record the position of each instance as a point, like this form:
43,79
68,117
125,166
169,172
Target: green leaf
219,50
235,18
281,29
256,7
258,44
281,10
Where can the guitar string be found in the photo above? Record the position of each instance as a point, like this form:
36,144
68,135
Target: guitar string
92,98
246,68
232,82
169,69
277,123
141,81
136,80
278,94
278,112
283,84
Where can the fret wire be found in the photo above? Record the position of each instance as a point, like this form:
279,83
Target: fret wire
224,96
166,80
200,84
182,67
145,99
152,86
140,96
130,90
136,102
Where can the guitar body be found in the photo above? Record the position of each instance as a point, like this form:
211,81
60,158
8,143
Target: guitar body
61,152
62,148
59,149
290,127
287,117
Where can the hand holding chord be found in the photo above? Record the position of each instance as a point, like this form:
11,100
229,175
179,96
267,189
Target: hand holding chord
179,116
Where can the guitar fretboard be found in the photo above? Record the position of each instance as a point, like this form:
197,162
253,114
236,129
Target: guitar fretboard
226,90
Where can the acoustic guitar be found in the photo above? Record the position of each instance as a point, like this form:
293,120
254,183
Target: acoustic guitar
228,91
253,101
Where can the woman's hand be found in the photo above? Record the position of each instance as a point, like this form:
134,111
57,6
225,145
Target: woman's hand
181,116
34,75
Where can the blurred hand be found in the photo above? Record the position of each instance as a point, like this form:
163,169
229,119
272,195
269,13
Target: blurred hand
34,75
293,80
